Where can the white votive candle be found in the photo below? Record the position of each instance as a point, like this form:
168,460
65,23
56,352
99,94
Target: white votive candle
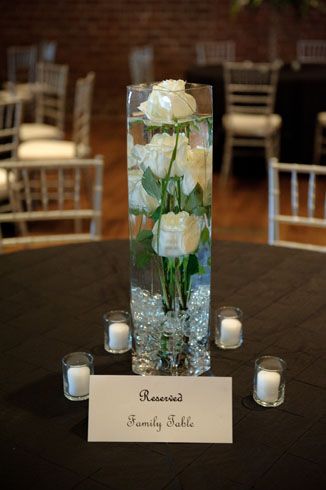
230,334
268,384
78,380
119,336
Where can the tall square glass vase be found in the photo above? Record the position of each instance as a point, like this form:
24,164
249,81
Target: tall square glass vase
170,193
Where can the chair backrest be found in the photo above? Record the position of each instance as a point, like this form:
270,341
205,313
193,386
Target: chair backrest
215,52
21,62
250,88
311,177
82,113
55,192
311,51
51,98
141,65
10,118
47,51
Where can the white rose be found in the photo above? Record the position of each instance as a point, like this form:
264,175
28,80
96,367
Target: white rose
136,155
130,146
168,101
198,171
138,197
158,153
179,234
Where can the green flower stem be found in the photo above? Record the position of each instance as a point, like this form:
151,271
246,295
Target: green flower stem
167,177
173,271
141,218
164,208
185,265
163,284
179,284
171,278
179,193
189,290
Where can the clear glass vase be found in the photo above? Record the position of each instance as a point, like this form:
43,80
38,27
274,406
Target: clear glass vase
170,192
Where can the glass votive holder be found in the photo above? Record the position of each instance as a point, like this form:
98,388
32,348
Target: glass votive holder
269,381
228,333
117,332
76,369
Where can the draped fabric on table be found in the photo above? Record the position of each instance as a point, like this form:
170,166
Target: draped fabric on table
52,302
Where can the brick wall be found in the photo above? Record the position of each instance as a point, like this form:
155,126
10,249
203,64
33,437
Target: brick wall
98,34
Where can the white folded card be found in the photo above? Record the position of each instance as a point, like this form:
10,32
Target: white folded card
160,409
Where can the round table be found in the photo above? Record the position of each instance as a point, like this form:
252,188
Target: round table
52,301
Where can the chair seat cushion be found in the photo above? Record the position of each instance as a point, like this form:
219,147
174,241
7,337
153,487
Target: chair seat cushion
322,118
50,150
38,131
24,91
252,124
3,183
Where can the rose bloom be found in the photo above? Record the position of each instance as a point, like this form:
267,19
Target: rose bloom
130,149
138,197
157,154
179,234
168,101
198,170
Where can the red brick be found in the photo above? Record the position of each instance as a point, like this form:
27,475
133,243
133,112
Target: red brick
98,35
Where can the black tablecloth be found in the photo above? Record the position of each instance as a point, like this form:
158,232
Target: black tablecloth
51,303
301,94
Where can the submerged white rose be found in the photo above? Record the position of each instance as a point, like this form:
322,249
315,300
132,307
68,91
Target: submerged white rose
168,101
138,197
198,170
158,153
178,235
130,155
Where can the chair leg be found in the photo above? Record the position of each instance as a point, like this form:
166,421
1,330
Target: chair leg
269,149
77,225
17,205
318,143
277,145
227,156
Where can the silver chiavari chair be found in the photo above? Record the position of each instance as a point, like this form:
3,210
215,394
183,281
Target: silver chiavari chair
215,52
141,65
21,65
53,194
314,177
79,147
10,117
311,51
250,90
50,104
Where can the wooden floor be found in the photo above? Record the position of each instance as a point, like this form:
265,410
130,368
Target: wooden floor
240,206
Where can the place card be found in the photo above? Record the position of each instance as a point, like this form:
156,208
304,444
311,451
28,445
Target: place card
160,409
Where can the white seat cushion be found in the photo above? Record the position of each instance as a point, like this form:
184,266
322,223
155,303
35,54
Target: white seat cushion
252,124
24,91
7,97
3,183
46,150
50,150
36,131
322,118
